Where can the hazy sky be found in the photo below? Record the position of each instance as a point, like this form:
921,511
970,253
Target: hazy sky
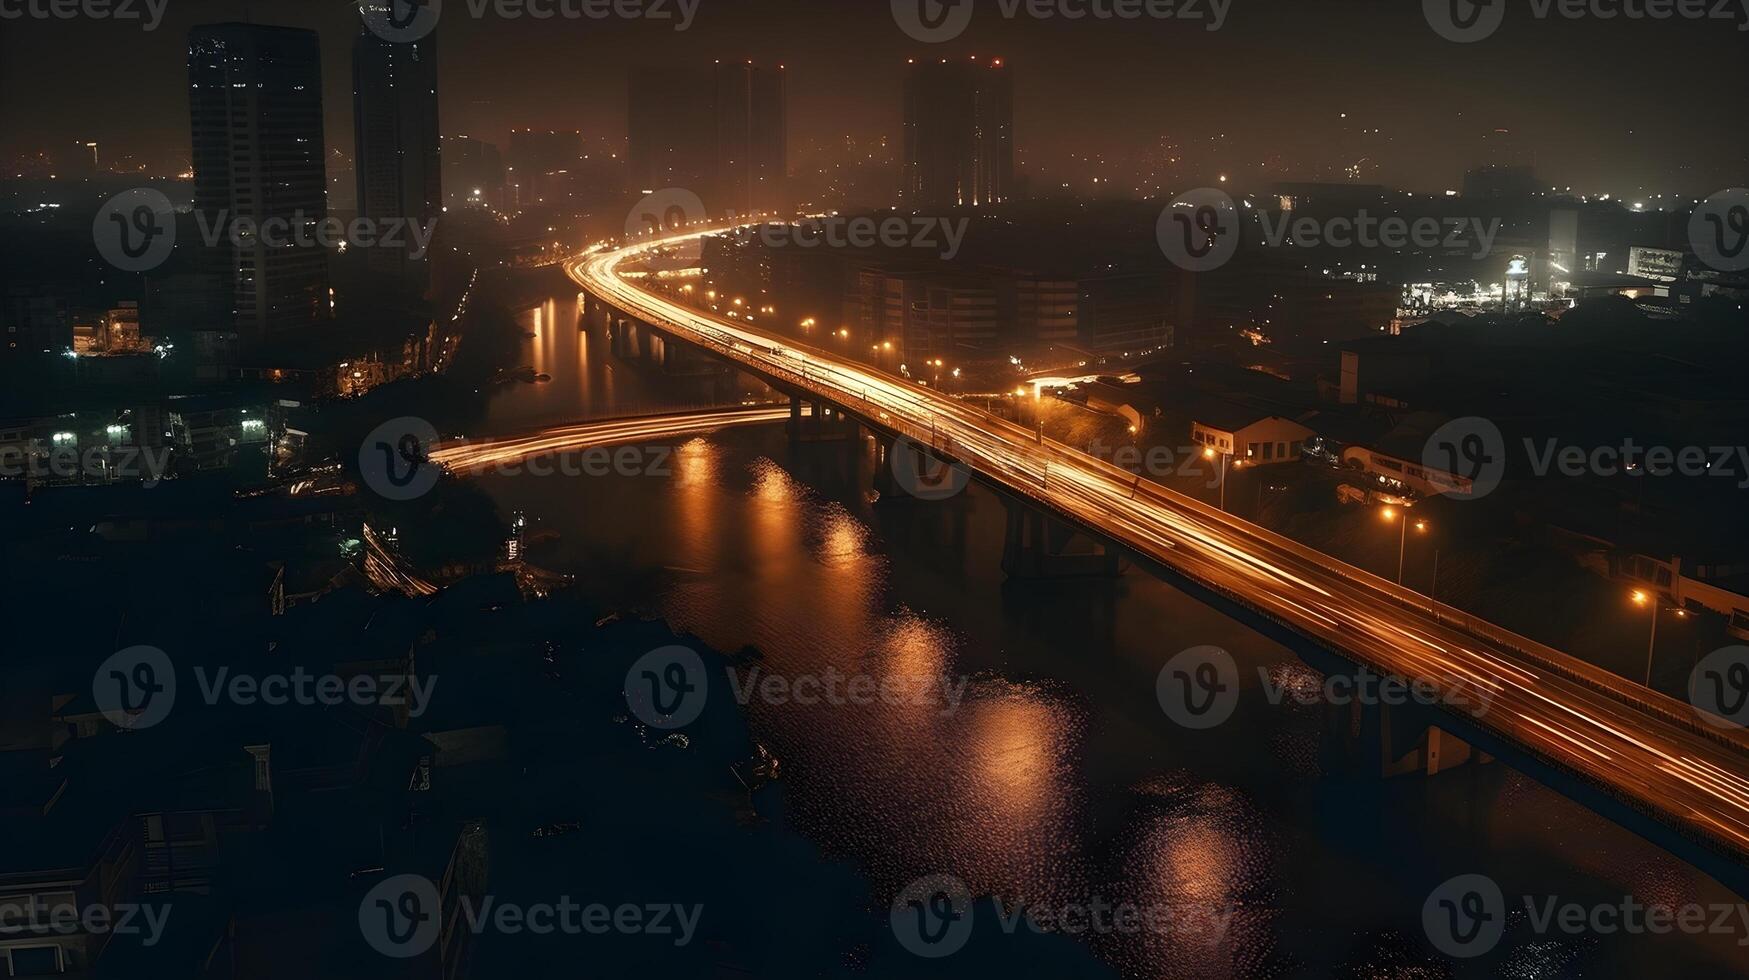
1598,104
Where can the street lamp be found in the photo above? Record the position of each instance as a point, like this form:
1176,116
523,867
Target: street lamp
1390,514
1209,453
1642,598
1038,410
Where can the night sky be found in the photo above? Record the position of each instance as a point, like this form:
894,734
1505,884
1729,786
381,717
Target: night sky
1620,106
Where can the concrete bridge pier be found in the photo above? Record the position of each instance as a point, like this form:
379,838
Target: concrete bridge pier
1038,545
920,475
624,339
821,423
630,339
1404,740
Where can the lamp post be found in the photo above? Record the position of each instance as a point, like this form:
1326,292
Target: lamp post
1643,598
1390,514
1210,453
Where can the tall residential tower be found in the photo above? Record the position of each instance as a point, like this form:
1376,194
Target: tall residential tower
394,111
959,133
255,101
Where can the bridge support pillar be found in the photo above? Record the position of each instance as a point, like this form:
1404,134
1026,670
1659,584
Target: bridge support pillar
821,423
921,474
1410,742
625,340
1038,545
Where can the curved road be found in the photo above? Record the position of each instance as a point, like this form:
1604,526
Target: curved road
1649,750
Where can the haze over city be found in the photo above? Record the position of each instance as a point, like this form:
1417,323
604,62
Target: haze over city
781,488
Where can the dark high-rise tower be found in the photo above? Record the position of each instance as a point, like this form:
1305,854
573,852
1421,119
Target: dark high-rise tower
722,133
255,101
752,141
959,133
394,111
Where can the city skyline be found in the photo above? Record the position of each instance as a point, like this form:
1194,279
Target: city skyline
1255,104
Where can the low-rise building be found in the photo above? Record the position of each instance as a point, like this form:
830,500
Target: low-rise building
1246,434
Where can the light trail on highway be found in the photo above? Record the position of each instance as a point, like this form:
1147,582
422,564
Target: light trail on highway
1650,751
472,457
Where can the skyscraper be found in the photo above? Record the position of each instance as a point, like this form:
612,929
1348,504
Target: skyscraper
722,133
959,133
752,144
394,111
255,101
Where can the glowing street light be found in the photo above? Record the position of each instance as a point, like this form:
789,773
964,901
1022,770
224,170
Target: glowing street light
1210,453
1390,514
1643,598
